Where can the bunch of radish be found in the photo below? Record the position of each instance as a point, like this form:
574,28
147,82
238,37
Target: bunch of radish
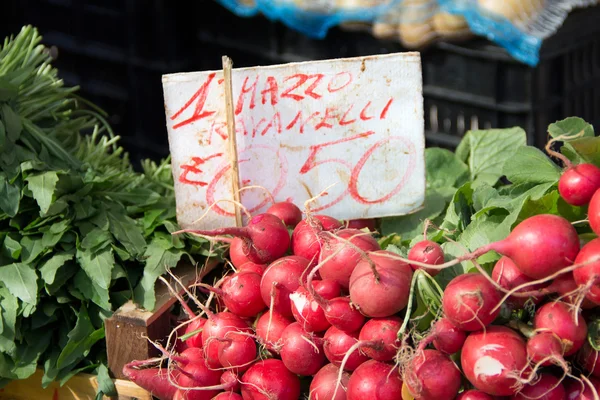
327,306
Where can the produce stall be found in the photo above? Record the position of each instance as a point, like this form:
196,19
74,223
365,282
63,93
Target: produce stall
299,242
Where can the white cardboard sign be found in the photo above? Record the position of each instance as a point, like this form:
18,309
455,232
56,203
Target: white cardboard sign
350,127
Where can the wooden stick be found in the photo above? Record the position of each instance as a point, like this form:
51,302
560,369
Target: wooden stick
235,173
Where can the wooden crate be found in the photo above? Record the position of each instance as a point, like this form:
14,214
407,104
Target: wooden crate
127,334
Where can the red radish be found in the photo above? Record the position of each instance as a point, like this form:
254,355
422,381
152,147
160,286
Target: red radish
323,384
339,255
216,328
195,340
281,279
578,184
589,274
385,292
509,276
370,224
307,310
492,360
336,345
566,287
300,352
341,313
197,373
269,328
445,336
384,331
429,252
431,375
557,317
253,267
238,252
374,380
237,351
287,212
306,240
474,395
543,345
589,359
594,212
468,302
581,391
228,396
154,380
231,378
240,293
547,387
265,237
270,380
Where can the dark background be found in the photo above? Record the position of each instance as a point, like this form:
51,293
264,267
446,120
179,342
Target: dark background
117,50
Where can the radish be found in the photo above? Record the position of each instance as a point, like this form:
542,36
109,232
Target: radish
580,391
240,292
306,240
281,279
589,360
323,384
195,325
270,380
265,238
468,302
253,267
374,380
337,343
509,276
228,396
445,336
306,309
232,379
578,184
594,212
288,212
547,387
429,252
365,223
431,375
589,274
339,254
197,373
380,286
492,360
543,345
269,328
237,351
154,380
566,287
383,331
217,326
238,252
300,352
557,317
341,313
474,395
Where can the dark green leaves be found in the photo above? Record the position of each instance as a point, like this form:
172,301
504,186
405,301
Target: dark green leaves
10,196
97,266
530,165
81,339
11,121
21,280
42,187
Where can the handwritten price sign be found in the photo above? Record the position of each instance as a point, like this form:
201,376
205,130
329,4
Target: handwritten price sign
351,126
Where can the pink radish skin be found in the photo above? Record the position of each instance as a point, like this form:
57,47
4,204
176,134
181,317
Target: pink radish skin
306,309
474,395
492,360
298,354
198,374
241,294
547,387
253,267
589,359
228,396
576,391
557,317
374,380
342,314
287,212
270,335
238,252
231,378
468,302
578,184
265,238
237,351
344,257
216,328
566,287
336,345
196,340
446,337
306,238
543,345
429,252
370,224
594,212
323,384
154,380
385,294
286,273
269,380
509,276
589,274
385,332
432,376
